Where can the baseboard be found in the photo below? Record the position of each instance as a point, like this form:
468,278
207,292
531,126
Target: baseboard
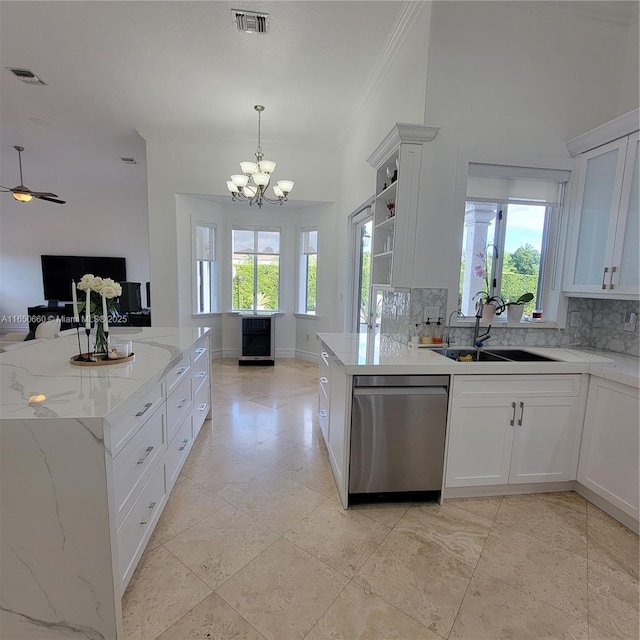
217,354
615,512
507,489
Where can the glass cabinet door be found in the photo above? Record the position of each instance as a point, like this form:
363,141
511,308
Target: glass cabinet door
626,251
599,190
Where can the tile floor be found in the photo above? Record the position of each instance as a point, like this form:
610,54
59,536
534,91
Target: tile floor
254,544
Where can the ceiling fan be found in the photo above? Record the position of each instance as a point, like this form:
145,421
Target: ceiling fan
24,194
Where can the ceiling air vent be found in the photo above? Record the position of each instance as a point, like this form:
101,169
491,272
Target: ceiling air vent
26,75
250,21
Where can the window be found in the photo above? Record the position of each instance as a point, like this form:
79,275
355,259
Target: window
509,214
308,271
204,263
256,269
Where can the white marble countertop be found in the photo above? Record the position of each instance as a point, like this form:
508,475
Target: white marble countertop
383,355
85,392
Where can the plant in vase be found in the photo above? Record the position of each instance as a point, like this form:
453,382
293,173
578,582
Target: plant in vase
515,308
100,298
486,304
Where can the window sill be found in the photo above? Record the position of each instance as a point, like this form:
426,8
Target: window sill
503,324
306,316
252,313
214,314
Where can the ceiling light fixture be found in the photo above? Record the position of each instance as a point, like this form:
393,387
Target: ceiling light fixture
250,186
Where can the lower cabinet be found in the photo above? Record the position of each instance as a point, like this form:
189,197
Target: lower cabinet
334,414
609,452
514,429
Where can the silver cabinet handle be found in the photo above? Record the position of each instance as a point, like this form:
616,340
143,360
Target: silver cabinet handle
604,277
521,414
147,451
147,517
180,371
325,356
202,407
181,403
146,408
513,415
184,444
324,380
201,374
613,270
201,350
323,413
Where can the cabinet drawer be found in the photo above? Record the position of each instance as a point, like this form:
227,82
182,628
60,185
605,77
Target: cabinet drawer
178,406
134,465
200,351
199,375
125,421
136,528
179,448
520,385
178,372
201,406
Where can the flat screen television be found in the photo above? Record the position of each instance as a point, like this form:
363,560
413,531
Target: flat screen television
59,271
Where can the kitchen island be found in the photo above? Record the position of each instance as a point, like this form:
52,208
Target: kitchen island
89,456
512,427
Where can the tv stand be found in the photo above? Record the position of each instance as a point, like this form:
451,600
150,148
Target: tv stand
43,312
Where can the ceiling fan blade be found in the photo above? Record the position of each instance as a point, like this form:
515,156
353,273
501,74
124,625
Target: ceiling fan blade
39,194
41,197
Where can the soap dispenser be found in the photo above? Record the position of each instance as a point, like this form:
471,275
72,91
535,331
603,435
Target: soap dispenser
437,332
415,338
427,334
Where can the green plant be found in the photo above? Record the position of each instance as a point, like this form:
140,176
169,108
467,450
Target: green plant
523,299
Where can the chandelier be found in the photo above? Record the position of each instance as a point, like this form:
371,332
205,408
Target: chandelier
251,185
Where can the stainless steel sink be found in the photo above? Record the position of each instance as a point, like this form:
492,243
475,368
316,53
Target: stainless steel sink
471,355
503,355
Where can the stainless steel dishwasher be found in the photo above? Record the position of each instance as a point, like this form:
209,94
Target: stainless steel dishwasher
397,434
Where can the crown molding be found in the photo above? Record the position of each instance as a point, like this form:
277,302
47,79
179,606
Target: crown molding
607,132
396,36
401,133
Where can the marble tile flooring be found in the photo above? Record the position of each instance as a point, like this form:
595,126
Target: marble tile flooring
254,544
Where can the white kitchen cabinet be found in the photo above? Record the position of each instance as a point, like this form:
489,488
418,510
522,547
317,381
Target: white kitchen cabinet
603,244
397,161
334,412
609,452
324,391
514,429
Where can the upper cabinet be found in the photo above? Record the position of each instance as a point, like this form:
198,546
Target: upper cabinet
397,161
603,257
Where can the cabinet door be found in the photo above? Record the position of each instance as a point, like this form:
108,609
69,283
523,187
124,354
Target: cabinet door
546,440
480,440
600,173
626,278
609,452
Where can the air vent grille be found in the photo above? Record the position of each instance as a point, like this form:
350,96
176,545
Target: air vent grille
129,160
250,21
27,76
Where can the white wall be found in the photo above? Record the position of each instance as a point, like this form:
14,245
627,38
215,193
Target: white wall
507,80
631,71
105,217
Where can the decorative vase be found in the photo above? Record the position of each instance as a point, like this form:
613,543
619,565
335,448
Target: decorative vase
488,311
101,345
514,312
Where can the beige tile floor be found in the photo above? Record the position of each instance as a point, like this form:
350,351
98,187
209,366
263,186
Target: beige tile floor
254,544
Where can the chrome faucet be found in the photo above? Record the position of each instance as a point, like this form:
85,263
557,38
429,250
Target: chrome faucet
459,314
478,339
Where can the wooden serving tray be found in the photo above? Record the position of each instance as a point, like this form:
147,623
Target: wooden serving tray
101,362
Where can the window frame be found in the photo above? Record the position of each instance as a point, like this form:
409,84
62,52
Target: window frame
214,287
555,168
303,273
256,229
